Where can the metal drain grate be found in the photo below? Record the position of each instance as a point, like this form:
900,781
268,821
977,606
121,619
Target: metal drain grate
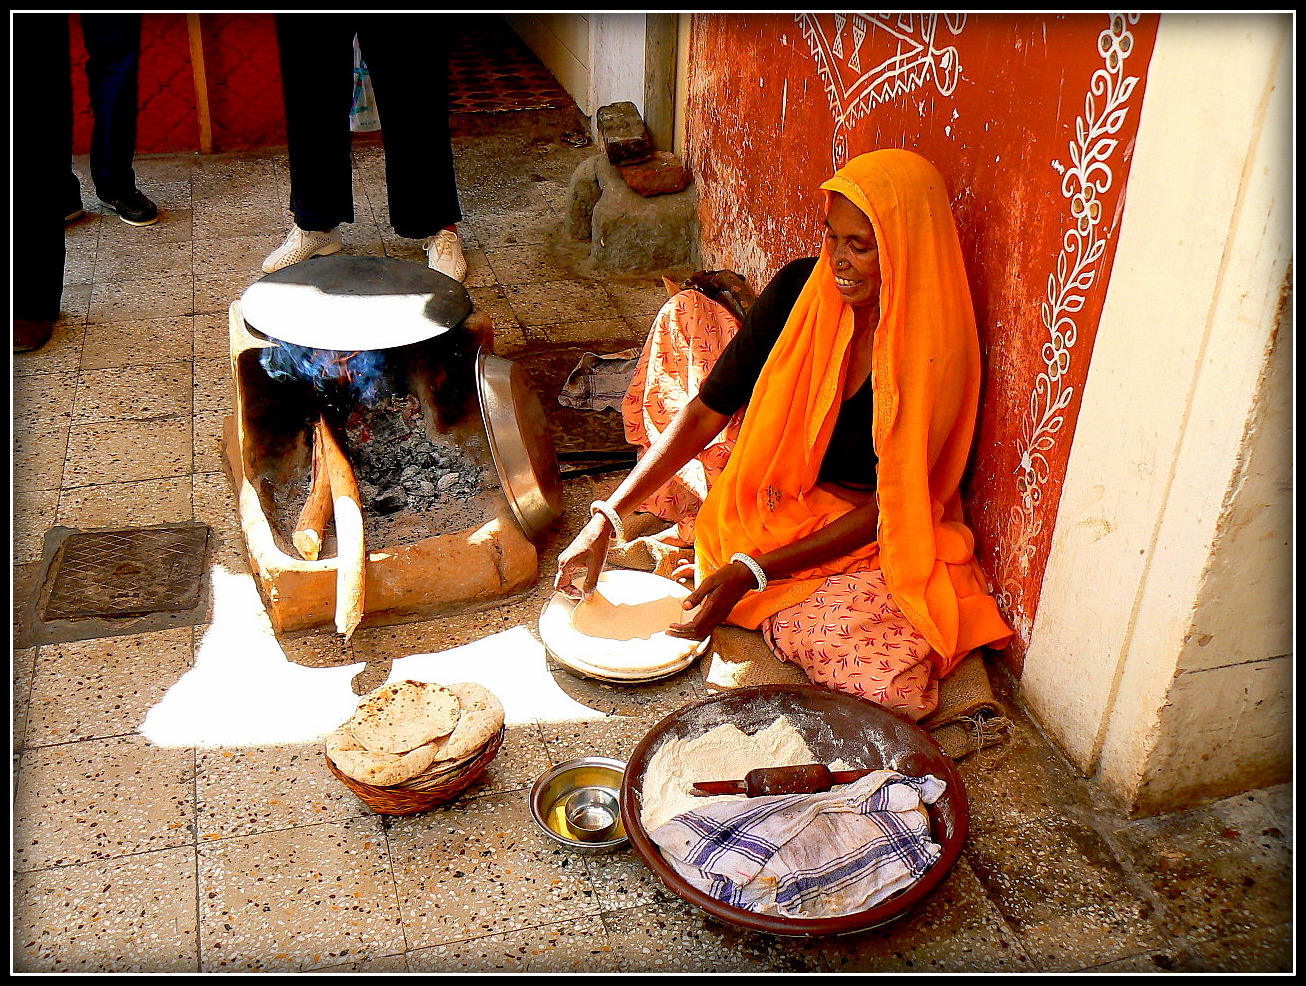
128,573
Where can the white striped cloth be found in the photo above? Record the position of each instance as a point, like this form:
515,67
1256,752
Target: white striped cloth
808,855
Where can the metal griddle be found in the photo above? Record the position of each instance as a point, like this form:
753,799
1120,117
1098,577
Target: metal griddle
355,303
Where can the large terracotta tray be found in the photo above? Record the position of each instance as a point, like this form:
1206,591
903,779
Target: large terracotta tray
835,726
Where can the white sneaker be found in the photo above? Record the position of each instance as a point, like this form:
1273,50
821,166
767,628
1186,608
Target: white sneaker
301,244
444,253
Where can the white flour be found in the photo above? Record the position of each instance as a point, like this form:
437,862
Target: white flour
721,754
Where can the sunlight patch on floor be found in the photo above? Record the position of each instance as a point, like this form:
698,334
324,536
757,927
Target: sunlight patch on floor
244,691
512,665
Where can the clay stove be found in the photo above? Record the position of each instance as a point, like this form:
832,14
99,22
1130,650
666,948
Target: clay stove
442,534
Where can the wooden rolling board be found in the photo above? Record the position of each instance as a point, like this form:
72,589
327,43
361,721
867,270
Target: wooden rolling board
619,633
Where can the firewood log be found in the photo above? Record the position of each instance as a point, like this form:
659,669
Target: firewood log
310,529
351,552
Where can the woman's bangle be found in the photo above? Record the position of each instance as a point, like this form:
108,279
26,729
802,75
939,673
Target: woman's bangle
752,565
613,518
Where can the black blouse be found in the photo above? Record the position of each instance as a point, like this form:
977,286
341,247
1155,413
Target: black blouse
850,459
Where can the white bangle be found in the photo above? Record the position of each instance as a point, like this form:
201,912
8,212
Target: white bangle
752,565
613,518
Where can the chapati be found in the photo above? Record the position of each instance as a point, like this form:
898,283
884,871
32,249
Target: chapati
380,769
620,631
622,612
404,715
480,718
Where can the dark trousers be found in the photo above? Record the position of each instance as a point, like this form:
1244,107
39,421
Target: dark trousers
113,48
43,146
407,57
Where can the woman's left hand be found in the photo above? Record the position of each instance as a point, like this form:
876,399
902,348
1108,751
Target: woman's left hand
716,597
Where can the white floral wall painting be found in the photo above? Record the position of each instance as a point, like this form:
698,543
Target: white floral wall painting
858,76
857,80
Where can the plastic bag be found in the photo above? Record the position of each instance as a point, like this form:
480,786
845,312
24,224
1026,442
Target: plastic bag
363,117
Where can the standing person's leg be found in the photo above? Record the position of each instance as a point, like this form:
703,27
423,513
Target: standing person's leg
317,79
61,137
407,57
317,83
113,48
40,170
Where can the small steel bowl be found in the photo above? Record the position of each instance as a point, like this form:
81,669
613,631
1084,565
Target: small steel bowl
592,813
578,804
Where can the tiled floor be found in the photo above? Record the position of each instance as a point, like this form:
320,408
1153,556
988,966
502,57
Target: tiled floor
491,71
172,812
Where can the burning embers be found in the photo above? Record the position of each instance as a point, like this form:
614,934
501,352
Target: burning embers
342,379
399,467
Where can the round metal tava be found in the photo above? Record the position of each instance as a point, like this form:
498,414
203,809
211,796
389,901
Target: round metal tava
355,303
523,450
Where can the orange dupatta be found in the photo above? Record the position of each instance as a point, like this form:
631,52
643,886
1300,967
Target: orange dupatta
925,374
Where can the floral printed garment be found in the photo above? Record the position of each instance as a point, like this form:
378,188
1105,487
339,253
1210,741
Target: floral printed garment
850,636
687,337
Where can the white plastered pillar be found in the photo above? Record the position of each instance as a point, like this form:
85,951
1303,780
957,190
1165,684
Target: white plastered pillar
1177,380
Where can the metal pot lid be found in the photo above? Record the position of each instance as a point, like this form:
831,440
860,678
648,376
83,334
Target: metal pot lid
355,303
520,443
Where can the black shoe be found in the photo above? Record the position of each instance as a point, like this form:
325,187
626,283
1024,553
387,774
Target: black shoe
134,208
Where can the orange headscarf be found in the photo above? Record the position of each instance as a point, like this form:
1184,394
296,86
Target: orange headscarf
926,375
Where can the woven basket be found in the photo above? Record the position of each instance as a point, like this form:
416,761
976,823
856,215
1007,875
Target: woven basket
435,786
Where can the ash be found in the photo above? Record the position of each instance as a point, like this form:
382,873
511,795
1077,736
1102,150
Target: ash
408,483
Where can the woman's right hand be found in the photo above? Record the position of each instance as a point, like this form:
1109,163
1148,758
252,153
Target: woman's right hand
581,563
690,431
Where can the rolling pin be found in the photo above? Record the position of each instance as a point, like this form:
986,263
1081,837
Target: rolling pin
807,778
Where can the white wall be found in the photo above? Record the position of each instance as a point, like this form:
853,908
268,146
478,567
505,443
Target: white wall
1179,375
617,48
1226,725
562,43
597,57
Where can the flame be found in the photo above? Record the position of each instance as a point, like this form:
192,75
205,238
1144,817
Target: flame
341,362
362,372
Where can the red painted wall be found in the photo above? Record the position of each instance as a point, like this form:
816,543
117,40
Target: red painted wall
1031,118
244,84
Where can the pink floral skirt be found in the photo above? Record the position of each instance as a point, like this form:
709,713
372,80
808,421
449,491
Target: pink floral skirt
849,634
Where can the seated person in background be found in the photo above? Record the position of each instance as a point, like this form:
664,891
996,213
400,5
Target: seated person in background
832,519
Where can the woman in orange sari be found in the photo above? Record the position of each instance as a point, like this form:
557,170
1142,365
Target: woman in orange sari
835,525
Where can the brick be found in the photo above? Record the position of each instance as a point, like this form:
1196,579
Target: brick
662,174
625,138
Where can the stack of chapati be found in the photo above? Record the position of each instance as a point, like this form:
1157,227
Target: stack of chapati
416,735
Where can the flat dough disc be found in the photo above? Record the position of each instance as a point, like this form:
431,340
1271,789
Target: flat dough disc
620,631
